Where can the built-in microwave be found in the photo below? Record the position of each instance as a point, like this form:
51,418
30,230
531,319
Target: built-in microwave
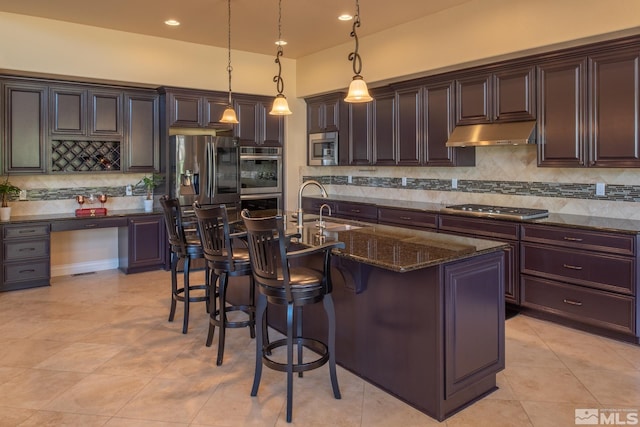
323,149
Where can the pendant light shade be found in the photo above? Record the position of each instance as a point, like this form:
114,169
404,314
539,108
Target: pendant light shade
229,114
358,91
280,105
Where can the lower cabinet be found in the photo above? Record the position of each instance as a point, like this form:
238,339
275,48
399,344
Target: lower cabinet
25,256
142,244
588,278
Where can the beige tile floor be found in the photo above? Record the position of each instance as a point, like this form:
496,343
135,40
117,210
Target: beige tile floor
97,350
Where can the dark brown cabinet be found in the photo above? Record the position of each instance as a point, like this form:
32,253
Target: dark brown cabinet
384,128
256,126
409,129
360,134
587,277
81,112
501,231
196,109
142,244
407,218
25,127
323,113
142,135
25,256
503,95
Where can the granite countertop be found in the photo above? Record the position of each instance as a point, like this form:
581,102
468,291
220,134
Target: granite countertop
15,219
394,248
619,225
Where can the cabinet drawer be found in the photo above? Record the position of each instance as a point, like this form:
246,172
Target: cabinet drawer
356,210
580,239
407,217
88,223
25,249
312,205
609,272
479,227
26,271
22,231
585,305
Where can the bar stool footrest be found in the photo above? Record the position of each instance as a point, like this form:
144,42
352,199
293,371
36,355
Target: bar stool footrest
316,346
247,309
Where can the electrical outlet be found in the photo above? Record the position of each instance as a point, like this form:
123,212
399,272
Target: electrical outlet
404,181
349,179
128,190
454,183
600,189
23,195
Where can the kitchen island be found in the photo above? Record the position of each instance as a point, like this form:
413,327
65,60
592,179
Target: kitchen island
419,314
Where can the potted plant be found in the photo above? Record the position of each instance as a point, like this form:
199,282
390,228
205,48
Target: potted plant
149,183
6,191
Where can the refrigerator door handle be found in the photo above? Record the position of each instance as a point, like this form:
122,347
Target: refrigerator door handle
211,169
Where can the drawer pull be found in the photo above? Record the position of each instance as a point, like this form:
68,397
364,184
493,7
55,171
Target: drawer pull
26,249
573,239
572,267
31,270
31,230
355,210
90,225
406,218
571,302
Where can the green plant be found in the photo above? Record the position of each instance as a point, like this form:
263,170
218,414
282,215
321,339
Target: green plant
6,190
149,183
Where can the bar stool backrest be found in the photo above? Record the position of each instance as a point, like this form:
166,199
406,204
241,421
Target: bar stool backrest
215,232
173,222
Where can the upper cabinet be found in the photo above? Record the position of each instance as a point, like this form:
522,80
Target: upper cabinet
323,113
25,127
506,94
256,126
193,109
360,134
142,140
82,112
589,110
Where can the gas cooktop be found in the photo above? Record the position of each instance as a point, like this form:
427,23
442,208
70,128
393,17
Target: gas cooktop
496,211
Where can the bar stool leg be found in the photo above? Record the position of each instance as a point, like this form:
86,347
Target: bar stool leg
261,308
327,302
290,328
252,303
224,279
174,286
299,335
214,308
185,323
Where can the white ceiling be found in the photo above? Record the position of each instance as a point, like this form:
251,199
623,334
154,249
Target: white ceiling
308,25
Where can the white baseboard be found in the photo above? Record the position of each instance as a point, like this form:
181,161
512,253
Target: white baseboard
84,267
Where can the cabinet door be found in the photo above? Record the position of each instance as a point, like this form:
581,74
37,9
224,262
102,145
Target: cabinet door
105,113
515,95
142,134
614,82
360,152
213,108
561,113
384,141
184,110
409,130
438,117
146,241
272,127
246,130
25,127
68,111
323,115
473,100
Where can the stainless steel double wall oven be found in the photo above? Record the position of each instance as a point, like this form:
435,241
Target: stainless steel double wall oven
261,177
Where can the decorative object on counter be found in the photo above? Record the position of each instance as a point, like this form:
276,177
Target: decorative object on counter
358,91
280,106
229,114
7,190
149,183
91,200
102,199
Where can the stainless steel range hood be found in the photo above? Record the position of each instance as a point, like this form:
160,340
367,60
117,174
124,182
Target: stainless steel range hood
513,133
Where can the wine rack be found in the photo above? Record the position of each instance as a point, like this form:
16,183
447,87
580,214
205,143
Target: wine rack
85,156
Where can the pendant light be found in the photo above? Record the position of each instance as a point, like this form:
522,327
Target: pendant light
280,106
229,114
358,91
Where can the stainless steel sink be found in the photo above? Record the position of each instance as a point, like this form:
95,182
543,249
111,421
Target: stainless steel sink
336,226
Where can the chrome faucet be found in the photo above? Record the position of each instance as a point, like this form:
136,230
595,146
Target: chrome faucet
321,224
302,187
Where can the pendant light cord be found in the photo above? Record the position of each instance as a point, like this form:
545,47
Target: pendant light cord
229,67
354,56
278,79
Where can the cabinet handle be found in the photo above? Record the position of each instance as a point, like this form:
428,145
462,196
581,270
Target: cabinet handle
407,218
571,302
90,225
355,210
31,230
573,239
572,267
26,249
31,270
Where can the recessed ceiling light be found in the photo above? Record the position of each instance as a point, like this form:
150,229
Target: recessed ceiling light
172,22
281,42
345,17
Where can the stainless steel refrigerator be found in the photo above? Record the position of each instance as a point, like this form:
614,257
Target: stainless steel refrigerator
205,169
